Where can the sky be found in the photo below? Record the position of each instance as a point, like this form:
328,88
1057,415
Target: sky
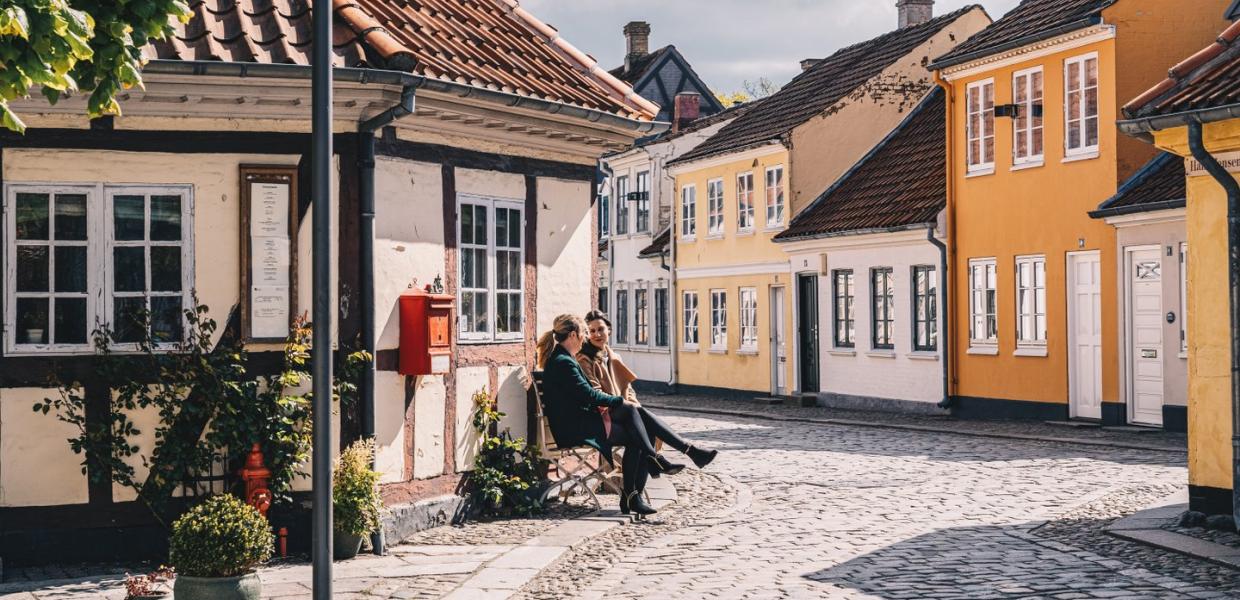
731,41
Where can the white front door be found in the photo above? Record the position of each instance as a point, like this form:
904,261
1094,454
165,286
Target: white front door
1085,335
779,346
1145,335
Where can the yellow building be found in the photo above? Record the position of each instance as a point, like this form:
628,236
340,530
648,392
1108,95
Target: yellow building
736,297
1035,315
1196,114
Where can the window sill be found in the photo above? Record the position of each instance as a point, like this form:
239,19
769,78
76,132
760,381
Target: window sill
744,232
1034,351
1028,165
1087,155
983,350
718,351
461,342
842,352
715,236
688,238
980,172
923,355
774,228
881,353
747,352
650,349
1182,355
692,349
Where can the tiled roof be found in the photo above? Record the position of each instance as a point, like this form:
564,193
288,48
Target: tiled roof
901,182
732,112
491,44
639,67
1156,186
1208,79
1030,21
820,87
658,246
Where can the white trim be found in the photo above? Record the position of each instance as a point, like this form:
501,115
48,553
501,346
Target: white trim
1029,165
715,161
881,353
687,217
841,352
723,310
980,173
490,204
1171,215
1034,351
1032,51
711,232
857,241
921,355
782,207
1083,155
762,268
975,341
1022,337
980,350
740,313
1183,300
1084,152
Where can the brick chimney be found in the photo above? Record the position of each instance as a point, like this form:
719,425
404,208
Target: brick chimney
637,36
914,12
808,63
687,109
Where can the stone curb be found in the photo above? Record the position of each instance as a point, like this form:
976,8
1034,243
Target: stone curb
921,428
506,574
1145,527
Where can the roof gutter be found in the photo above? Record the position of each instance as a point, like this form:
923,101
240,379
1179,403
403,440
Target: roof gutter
1103,213
1144,127
852,232
1017,43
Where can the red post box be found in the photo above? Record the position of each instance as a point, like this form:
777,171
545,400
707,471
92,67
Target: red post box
425,333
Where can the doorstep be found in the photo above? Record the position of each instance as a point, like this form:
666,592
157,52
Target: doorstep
1146,527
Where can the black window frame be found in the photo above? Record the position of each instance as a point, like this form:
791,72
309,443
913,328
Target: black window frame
925,287
888,310
662,318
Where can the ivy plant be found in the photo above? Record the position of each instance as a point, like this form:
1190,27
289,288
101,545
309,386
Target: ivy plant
507,472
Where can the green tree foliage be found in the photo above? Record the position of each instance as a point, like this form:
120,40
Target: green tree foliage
64,46
507,473
222,537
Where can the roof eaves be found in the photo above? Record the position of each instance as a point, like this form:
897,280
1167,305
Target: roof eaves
1016,43
851,232
1146,170
725,151
1143,127
1102,213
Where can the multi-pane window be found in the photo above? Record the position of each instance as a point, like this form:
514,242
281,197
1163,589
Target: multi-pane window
925,309
603,297
775,196
622,205
844,320
744,202
641,317
882,311
604,214
1081,104
690,307
491,245
718,320
980,107
983,318
1030,300
749,319
662,317
643,202
622,317
79,256
1183,297
688,212
714,207
1027,126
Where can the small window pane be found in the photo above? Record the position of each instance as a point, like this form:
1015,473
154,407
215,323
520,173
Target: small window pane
514,229
481,321
166,218
501,226
32,269
128,319
71,320
480,225
480,268
501,270
32,218
71,217
70,269
129,269
467,224
32,320
467,269
166,269
514,270
129,217
166,318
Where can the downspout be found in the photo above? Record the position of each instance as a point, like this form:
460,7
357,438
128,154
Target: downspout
947,250
1229,184
672,295
366,264
946,402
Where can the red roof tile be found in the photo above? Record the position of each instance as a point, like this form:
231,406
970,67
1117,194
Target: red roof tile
1030,21
1208,79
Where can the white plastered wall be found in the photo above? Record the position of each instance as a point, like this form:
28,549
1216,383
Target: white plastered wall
409,237
565,249
469,380
429,406
37,468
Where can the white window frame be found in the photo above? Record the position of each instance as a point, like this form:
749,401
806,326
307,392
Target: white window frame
641,185
977,296
1033,267
1025,111
744,202
749,319
776,211
719,320
99,262
1078,63
714,208
688,212
491,203
1183,299
622,206
689,306
985,114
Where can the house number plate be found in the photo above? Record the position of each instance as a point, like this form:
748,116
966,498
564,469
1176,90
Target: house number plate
1147,353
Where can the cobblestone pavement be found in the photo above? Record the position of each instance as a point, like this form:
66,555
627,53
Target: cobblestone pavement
828,511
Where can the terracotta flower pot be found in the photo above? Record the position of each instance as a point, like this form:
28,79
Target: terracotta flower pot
242,587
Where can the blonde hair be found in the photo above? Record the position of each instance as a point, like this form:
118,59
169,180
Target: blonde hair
562,327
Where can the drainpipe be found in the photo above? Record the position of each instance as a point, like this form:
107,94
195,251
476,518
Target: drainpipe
949,220
366,263
1229,184
673,295
946,402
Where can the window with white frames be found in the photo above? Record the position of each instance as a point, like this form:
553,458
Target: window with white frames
604,214
1183,297
714,207
845,322
749,319
718,320
662,318
603,297
983,304
621,316
82,255
622,205
492,265
641,317
980,125
744,202
775,196
689,304
1081,105
925,309
688,212
882,309
643,202
1027,126
1030,300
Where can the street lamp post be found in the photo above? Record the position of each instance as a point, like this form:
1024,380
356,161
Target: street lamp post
321,367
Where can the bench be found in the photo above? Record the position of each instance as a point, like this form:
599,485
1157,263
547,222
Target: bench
575,467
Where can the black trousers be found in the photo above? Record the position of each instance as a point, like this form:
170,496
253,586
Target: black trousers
636,429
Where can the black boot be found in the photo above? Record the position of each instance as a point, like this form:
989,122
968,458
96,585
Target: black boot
635,503
701,457
660,465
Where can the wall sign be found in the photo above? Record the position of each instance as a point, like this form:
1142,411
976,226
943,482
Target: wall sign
268,252
1229,160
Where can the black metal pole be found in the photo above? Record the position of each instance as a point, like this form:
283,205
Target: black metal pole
321,367
1220,174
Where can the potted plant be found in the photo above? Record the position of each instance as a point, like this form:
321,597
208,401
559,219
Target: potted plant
355,492
150,586
215,548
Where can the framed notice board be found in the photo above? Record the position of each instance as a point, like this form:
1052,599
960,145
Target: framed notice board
268,252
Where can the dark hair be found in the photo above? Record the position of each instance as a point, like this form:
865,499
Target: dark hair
596,315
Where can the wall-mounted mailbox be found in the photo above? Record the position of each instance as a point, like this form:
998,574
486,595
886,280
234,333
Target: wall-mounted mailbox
425,333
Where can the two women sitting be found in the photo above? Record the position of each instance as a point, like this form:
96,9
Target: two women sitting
589,400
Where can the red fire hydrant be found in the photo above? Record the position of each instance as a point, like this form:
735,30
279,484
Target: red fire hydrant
256,477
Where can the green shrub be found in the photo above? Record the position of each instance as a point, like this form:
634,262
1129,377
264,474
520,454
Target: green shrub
355,490
507,472
222,537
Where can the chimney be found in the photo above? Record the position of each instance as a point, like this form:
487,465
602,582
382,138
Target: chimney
686,110
914,12
637,35
808,63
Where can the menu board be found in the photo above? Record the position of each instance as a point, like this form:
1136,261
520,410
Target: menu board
268,232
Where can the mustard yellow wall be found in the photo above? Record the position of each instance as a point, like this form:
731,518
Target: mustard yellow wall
1040,210
734,369
730,248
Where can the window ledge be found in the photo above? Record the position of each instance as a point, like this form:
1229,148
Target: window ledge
1028,165
718,351
650,349
1182,355
747,352
744,232
842,352
461,342
881,353
693,349
1036,351
984,350
688,238
779,227
923,355
715,236
1087,155
980,172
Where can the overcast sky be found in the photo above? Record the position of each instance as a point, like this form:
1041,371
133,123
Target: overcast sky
730,41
